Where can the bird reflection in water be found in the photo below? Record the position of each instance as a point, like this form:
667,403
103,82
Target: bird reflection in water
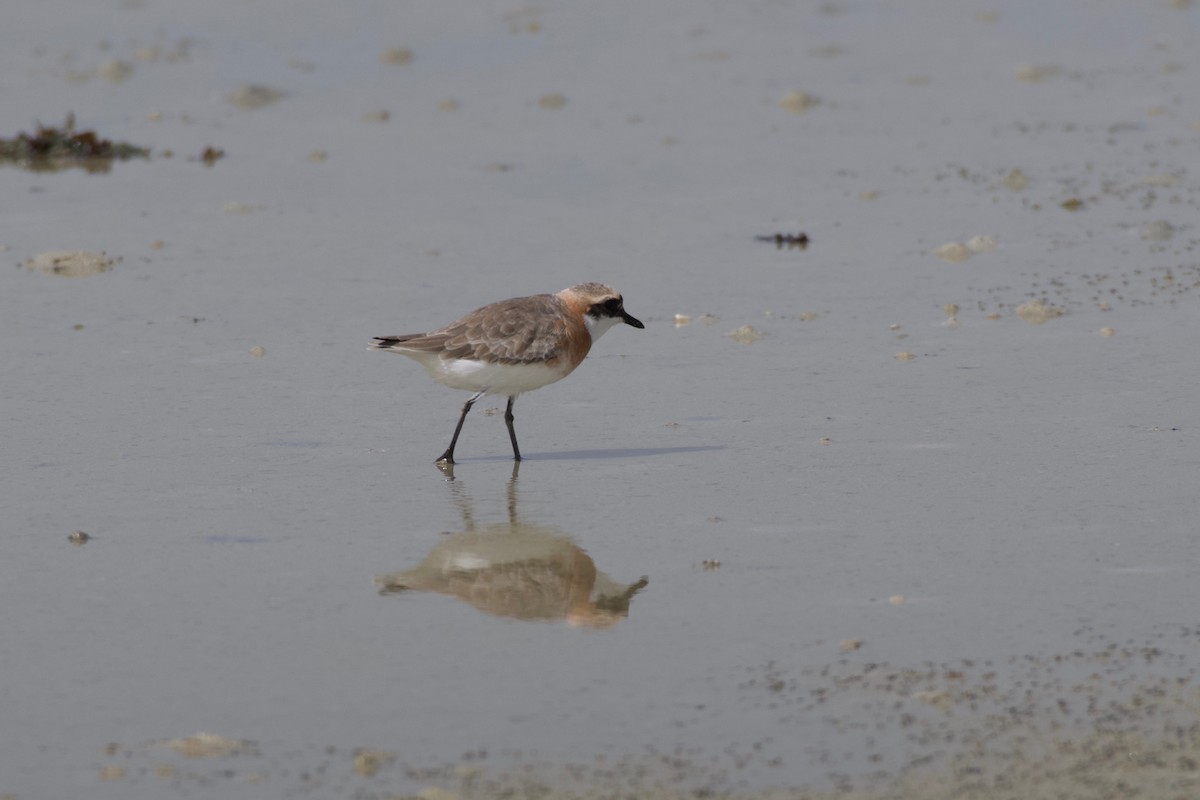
518,570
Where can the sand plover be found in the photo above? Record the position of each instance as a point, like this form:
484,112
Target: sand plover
513,346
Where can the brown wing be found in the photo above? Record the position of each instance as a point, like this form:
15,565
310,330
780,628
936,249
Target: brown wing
517,331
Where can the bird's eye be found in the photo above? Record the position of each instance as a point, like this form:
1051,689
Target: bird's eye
612,305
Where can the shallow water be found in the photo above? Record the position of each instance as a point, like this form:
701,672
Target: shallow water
863,572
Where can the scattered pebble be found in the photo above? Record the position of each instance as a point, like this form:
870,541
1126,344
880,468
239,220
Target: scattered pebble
939,698
1108,331
524,19
953,253
369,762
211,155
681,320
255,96
437,793
79,538
797,102
1034,74
398,56
827,50
950,309
850,645
115,70
1015,180
897,599
956,253
904,355
209,745
825,441
1162,180
745,335
71,263
1158,231
552,101
1036,312
258,351
1073,204
981,244
377,116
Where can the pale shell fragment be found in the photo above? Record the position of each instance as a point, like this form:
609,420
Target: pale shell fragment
953,253
1035,312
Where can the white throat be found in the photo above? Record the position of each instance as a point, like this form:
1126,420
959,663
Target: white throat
598,325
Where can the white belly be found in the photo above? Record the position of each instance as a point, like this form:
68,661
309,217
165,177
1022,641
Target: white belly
506,379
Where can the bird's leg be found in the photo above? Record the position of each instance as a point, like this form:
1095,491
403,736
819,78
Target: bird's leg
512,434
448,456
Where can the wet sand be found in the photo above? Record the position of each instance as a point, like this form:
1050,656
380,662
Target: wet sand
908,511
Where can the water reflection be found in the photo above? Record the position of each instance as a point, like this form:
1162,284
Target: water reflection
516,569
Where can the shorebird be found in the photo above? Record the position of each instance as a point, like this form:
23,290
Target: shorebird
513,346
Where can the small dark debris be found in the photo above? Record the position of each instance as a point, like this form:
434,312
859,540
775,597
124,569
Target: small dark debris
55,149
211,155
79,538
788,240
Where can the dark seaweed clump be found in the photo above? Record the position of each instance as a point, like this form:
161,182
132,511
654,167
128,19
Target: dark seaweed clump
786,240
53,149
